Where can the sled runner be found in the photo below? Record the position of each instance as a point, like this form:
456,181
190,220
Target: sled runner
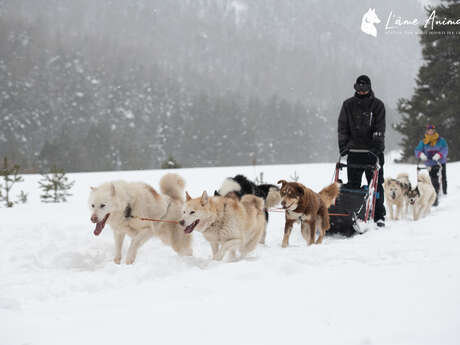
354,206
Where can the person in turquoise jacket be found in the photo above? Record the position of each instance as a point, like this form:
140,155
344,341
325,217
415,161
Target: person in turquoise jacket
432,150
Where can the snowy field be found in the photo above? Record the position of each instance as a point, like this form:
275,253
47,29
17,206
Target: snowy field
58,284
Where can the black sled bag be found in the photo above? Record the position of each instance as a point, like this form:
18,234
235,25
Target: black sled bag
349,206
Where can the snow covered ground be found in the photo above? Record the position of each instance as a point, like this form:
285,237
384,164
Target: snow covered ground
58,284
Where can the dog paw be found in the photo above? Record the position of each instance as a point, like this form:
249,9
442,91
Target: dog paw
130,260
117,260
284,245
218,257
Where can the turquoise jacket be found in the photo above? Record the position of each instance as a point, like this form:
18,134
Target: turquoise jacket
440,147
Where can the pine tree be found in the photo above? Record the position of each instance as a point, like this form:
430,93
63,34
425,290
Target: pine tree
10,176
435,100
55,186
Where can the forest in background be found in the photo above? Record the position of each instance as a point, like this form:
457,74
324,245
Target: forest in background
115,85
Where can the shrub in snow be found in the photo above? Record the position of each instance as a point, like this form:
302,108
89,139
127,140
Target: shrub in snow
22,198
295,177
259,179
9,176
170,163
55,186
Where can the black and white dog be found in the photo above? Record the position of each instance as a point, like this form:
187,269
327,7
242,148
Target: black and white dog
239,185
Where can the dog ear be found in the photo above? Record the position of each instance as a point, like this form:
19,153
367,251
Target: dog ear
112,189
204,198
187,196
216,193
283,182
92,188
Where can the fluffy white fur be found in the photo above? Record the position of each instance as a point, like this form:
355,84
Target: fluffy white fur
229,185
423,203
124,202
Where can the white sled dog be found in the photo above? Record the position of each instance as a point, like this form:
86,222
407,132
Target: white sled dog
422,197
228,224
121,204
396,195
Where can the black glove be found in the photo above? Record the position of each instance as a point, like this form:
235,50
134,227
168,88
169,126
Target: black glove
343,148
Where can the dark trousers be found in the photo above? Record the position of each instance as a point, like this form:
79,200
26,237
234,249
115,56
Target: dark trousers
434,175
355,175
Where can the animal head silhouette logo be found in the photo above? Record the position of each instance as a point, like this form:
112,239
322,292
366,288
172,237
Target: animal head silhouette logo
368,22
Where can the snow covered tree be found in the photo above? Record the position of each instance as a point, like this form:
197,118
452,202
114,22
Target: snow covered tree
9,176
435,100
55,186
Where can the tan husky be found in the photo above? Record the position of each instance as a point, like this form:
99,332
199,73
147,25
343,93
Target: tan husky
396,195
228,224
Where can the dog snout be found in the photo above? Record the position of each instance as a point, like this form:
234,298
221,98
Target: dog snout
182,222
94,218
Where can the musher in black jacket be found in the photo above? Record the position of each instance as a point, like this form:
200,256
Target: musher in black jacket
362,127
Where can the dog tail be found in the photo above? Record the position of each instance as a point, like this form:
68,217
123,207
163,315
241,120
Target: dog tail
253,200
330,193
173,186
228,186
273,197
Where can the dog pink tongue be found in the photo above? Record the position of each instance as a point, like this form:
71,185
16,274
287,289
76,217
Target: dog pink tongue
191,227
100,225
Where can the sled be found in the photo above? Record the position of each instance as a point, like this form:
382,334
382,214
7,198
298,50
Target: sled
354,207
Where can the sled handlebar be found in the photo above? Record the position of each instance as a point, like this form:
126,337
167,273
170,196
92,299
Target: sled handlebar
341,165
425,167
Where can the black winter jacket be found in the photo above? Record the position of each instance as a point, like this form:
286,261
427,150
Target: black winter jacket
362,124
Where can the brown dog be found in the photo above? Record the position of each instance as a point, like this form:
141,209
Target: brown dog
307,207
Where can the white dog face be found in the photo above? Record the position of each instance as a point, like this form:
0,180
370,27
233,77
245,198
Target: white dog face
196,213
100,204
393,188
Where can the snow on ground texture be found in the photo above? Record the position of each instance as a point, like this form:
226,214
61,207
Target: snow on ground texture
58,284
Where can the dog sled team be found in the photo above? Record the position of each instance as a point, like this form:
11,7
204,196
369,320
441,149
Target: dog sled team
234,219
401,196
